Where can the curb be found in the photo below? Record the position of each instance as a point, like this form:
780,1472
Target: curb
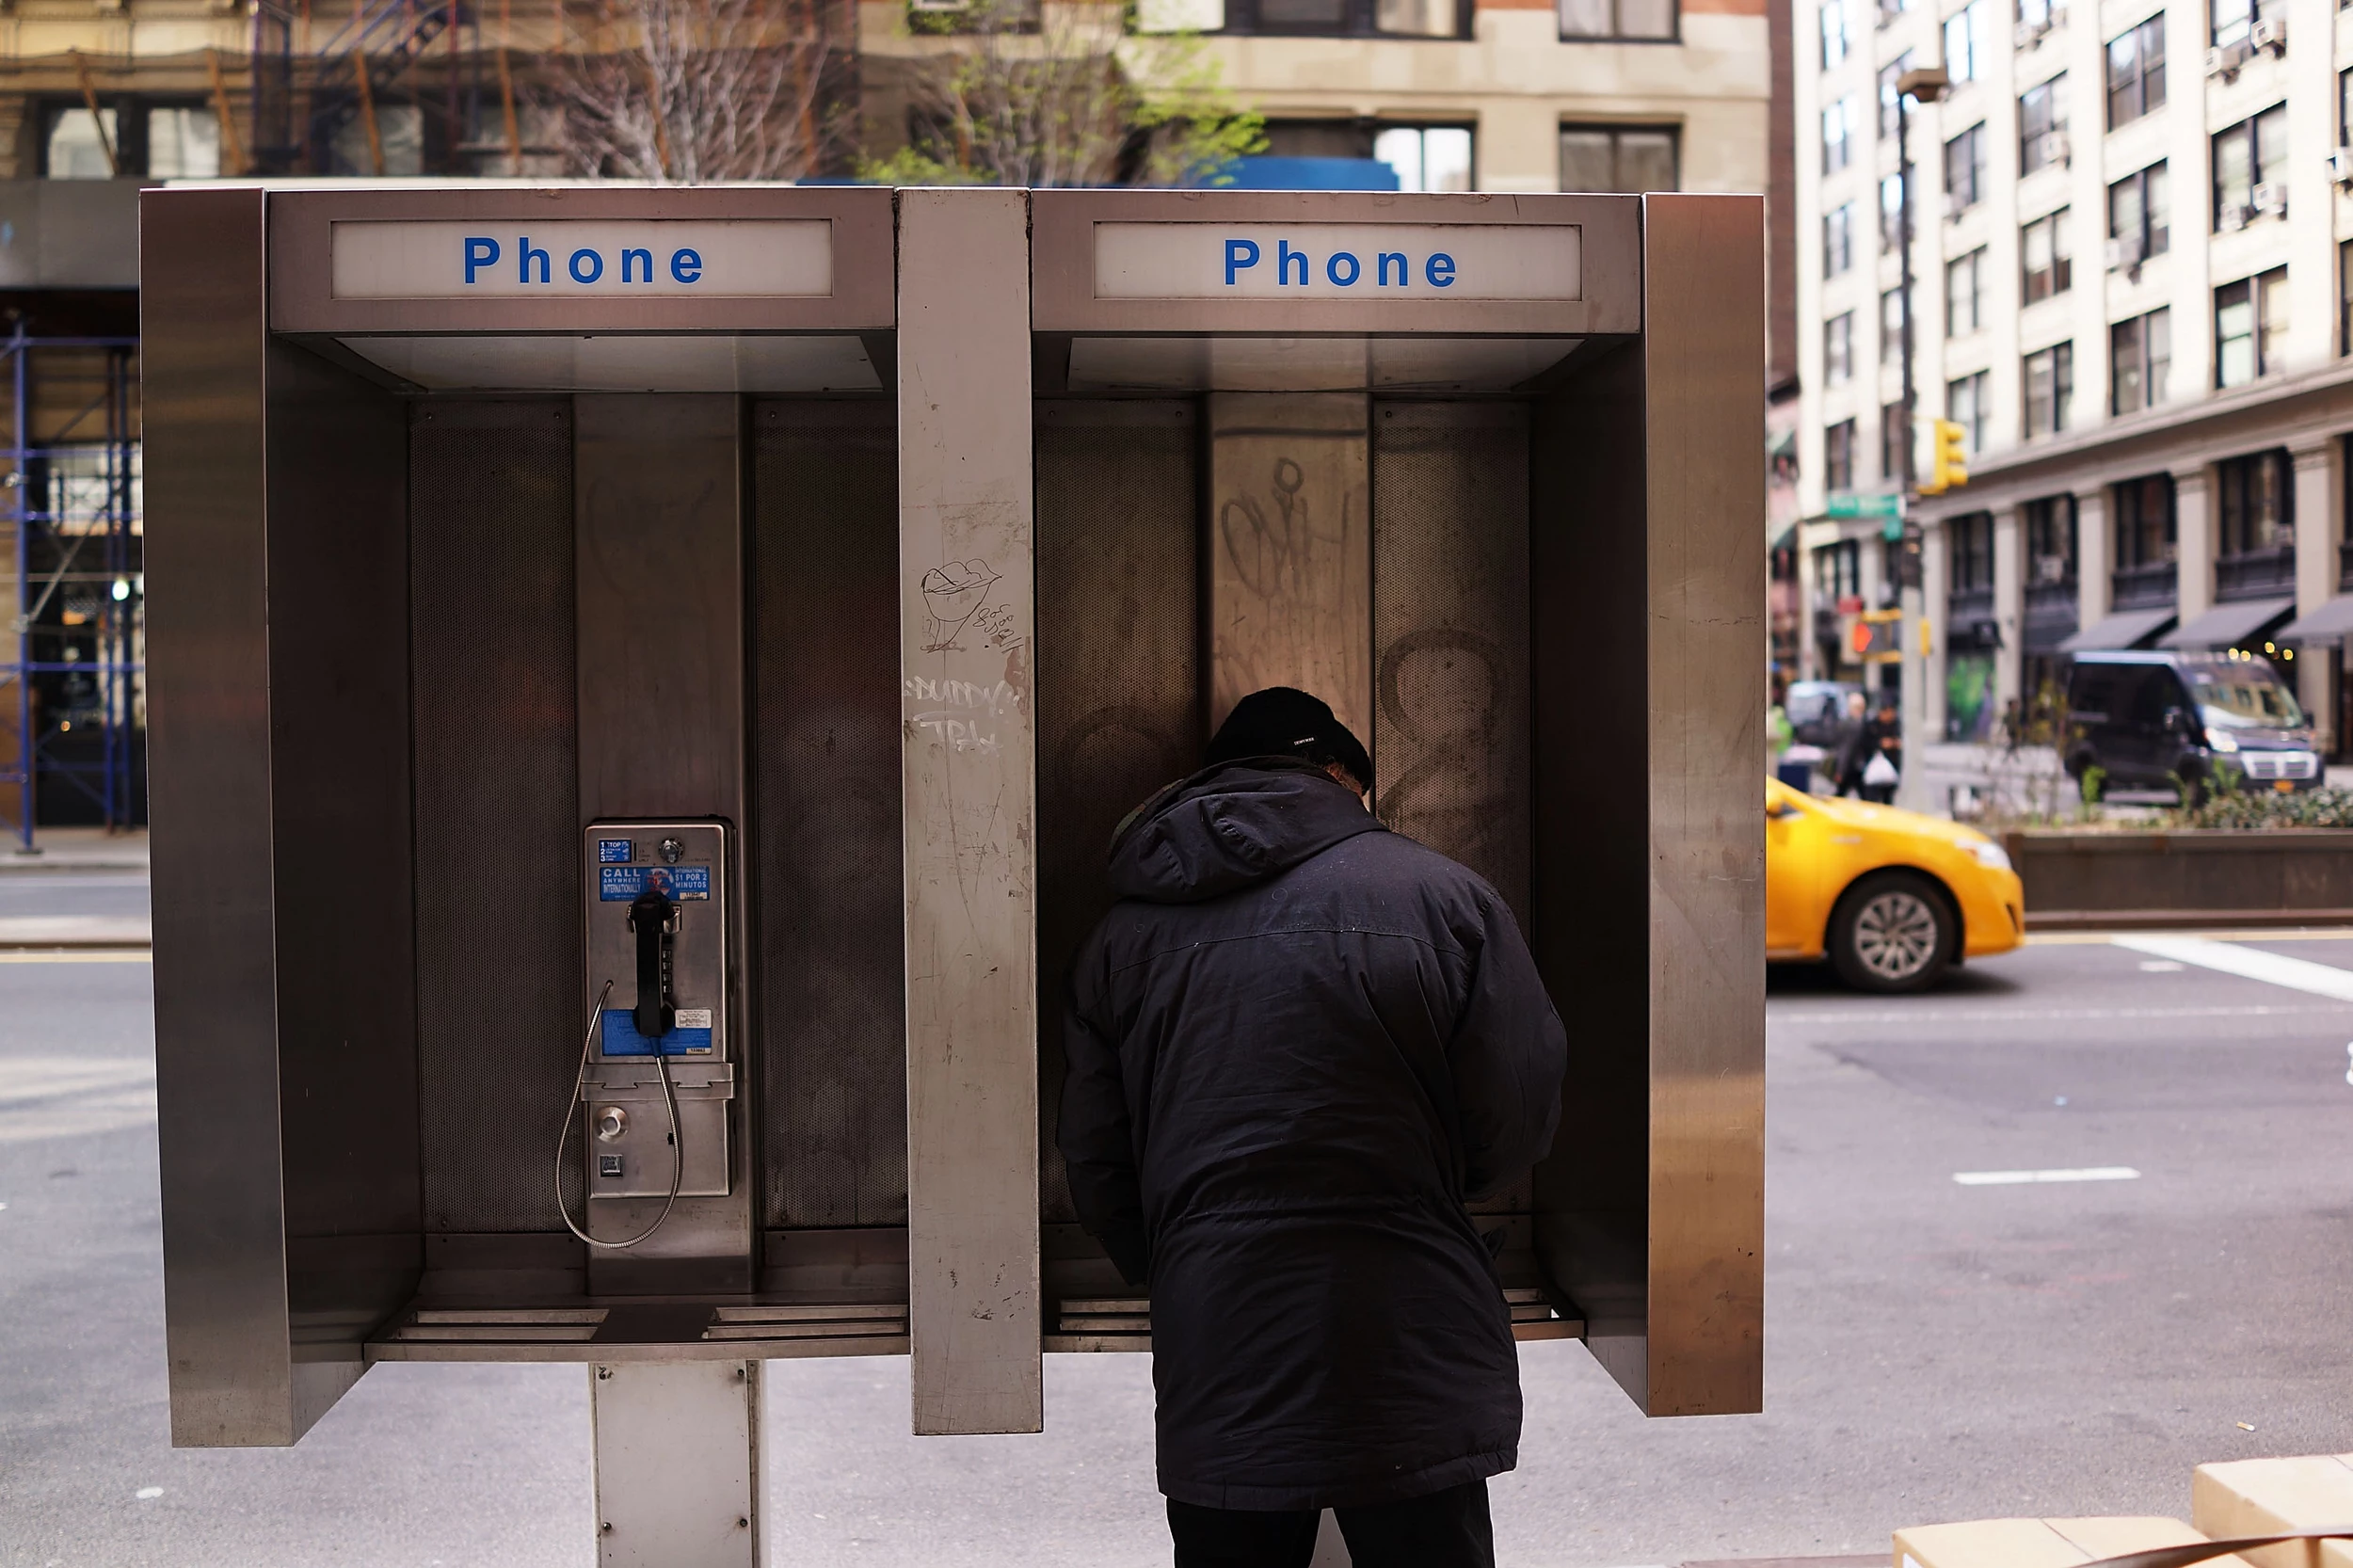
2182,920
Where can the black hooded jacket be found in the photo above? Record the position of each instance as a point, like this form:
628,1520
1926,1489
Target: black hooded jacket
1296,1045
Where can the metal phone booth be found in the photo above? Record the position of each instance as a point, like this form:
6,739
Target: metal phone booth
526,803
1485,473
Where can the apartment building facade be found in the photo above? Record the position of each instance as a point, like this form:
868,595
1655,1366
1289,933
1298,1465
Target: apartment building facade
2131,257
1484,95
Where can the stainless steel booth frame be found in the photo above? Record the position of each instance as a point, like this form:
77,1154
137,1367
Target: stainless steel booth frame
296,1237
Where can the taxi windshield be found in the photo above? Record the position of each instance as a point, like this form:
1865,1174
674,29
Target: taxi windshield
2243,696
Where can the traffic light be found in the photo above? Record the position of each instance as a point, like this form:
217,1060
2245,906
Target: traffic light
1875,637
1949,458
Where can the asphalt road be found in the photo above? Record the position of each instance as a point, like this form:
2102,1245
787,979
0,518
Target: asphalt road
1935,1350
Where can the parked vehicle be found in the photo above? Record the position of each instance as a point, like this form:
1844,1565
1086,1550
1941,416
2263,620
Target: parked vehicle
1891,899
2179,720
1816,708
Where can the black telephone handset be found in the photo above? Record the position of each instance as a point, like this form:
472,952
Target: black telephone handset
654,919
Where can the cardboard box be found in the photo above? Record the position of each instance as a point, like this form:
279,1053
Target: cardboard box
2040,1542
2263,1497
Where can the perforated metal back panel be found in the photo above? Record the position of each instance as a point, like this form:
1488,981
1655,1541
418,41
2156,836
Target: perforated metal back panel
499,1004
1449,612
830,1047
1119,690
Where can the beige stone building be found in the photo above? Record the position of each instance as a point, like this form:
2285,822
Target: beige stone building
1460,94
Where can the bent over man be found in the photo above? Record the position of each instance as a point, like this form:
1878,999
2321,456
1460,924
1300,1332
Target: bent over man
1297,1045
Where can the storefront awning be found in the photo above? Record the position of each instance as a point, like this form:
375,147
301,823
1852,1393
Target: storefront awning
2132,629
2230,625
2326,627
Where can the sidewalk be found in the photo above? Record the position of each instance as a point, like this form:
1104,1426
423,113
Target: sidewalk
77,849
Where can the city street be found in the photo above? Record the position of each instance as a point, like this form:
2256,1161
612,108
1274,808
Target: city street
1936,1349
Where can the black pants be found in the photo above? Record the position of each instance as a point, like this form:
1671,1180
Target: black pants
1444,1529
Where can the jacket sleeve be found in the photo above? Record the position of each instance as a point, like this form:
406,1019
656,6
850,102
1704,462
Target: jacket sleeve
1508,1056
1098,1141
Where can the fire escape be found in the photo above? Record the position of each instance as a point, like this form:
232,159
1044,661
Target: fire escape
307,95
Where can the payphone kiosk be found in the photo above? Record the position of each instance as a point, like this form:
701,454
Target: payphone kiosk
1485,474
526,827
642,679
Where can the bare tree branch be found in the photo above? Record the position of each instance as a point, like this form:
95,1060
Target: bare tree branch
692,91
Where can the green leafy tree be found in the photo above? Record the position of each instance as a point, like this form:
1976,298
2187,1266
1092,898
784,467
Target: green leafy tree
1065,94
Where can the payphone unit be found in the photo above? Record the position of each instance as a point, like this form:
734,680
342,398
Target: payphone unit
657,1069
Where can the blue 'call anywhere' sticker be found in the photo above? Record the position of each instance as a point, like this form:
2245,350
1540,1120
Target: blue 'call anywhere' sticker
620,884
620,1036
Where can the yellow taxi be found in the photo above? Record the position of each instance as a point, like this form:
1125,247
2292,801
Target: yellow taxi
1890,898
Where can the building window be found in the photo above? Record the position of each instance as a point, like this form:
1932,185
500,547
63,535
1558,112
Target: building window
1425,157
1833,32
1966,57
1965,405
2140,217
2144,521
1838,574
1891,214
1617,19
1838,347
1618,157
2050,387
1891,9
2136,72
77,144
1838,456
2250,154
2254,504
1837,240
1891,101
1965,169
1311,18
2042,125
2251,328
2140,352
2043,253
131,140
2039,16
1964,294
1838,136
1892,324
2050,540
2345,301
2344,107
2235,19
1894,433
1969,547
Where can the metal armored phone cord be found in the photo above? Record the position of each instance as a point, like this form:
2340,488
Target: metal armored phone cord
564,1133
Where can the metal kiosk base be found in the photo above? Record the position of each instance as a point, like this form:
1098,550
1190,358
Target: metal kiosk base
676,1462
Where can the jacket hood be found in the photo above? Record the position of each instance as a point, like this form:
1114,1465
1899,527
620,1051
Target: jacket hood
1230,826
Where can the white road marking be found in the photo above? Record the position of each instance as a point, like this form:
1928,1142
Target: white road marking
2162,966
2033,1014
2018,1178
2273,969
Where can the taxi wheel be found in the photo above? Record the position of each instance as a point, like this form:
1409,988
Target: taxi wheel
1894,931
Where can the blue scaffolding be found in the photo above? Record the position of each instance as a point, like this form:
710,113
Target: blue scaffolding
78,628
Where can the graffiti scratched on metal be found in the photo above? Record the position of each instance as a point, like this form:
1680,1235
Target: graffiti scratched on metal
967,735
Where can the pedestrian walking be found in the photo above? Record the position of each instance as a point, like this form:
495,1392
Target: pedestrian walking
1851,749
1298,1045
1882,755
